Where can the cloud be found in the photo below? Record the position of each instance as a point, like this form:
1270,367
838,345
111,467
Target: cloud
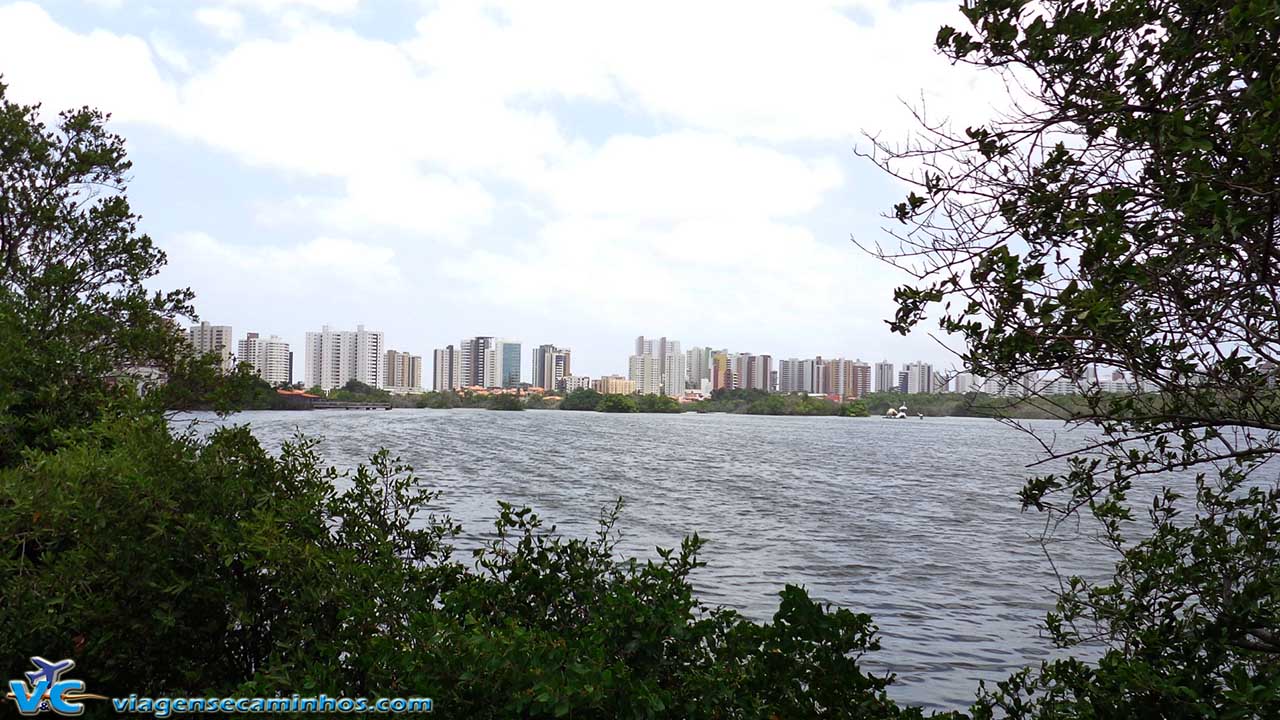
324,266
168,50
278,6
45,62
686,175
675,164
225,22
399,199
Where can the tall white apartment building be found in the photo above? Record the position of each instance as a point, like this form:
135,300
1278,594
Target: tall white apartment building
213,339
885,379
270,358
336,357
697,366
791,375
919,377
814,376
671,363
446,369
646,372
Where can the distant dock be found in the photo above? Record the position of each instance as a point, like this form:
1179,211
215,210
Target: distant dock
344,405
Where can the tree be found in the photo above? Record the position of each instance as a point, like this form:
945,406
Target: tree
581,399
657,404
75,316
505,402
1124,216
618,404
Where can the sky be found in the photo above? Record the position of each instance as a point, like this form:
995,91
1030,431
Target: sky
571,173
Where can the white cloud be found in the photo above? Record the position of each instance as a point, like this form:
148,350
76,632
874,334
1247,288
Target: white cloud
168,50
403,199
225,22
323,266
277,6
668,155
689,174
44,62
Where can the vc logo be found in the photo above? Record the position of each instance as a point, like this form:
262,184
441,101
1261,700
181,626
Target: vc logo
44,690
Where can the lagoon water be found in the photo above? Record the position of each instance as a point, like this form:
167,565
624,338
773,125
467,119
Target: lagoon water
916,522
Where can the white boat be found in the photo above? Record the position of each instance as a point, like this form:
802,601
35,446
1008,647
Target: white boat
895,414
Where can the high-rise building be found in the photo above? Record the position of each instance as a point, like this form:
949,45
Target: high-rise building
902,381
848,378
753,371
550,363
270,359
885,381
447,369
247,351
336,357
697,366
506,355
919,377
814,376
646,372
966,382
569,383
213,339
723,376
791,375
403,371
477,363
671,363
614,385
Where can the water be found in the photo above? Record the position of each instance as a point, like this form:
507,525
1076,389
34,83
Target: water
913,521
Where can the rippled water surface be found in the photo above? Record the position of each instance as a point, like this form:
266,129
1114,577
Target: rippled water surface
913,521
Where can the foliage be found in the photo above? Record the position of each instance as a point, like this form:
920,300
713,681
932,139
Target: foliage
581,399
618,404
1125,216
74,312
854,408
356,391
760,402
657,404
505,402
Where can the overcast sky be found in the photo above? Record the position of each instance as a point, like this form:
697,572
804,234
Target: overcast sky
571,173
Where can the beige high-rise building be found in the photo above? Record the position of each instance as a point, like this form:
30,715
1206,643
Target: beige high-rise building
404,371
213,339
614,385
848,378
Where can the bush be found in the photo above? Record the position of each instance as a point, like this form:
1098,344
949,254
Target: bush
658,404
505,402
618,404
581,399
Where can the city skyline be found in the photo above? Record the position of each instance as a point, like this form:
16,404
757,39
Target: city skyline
569,196
330,357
